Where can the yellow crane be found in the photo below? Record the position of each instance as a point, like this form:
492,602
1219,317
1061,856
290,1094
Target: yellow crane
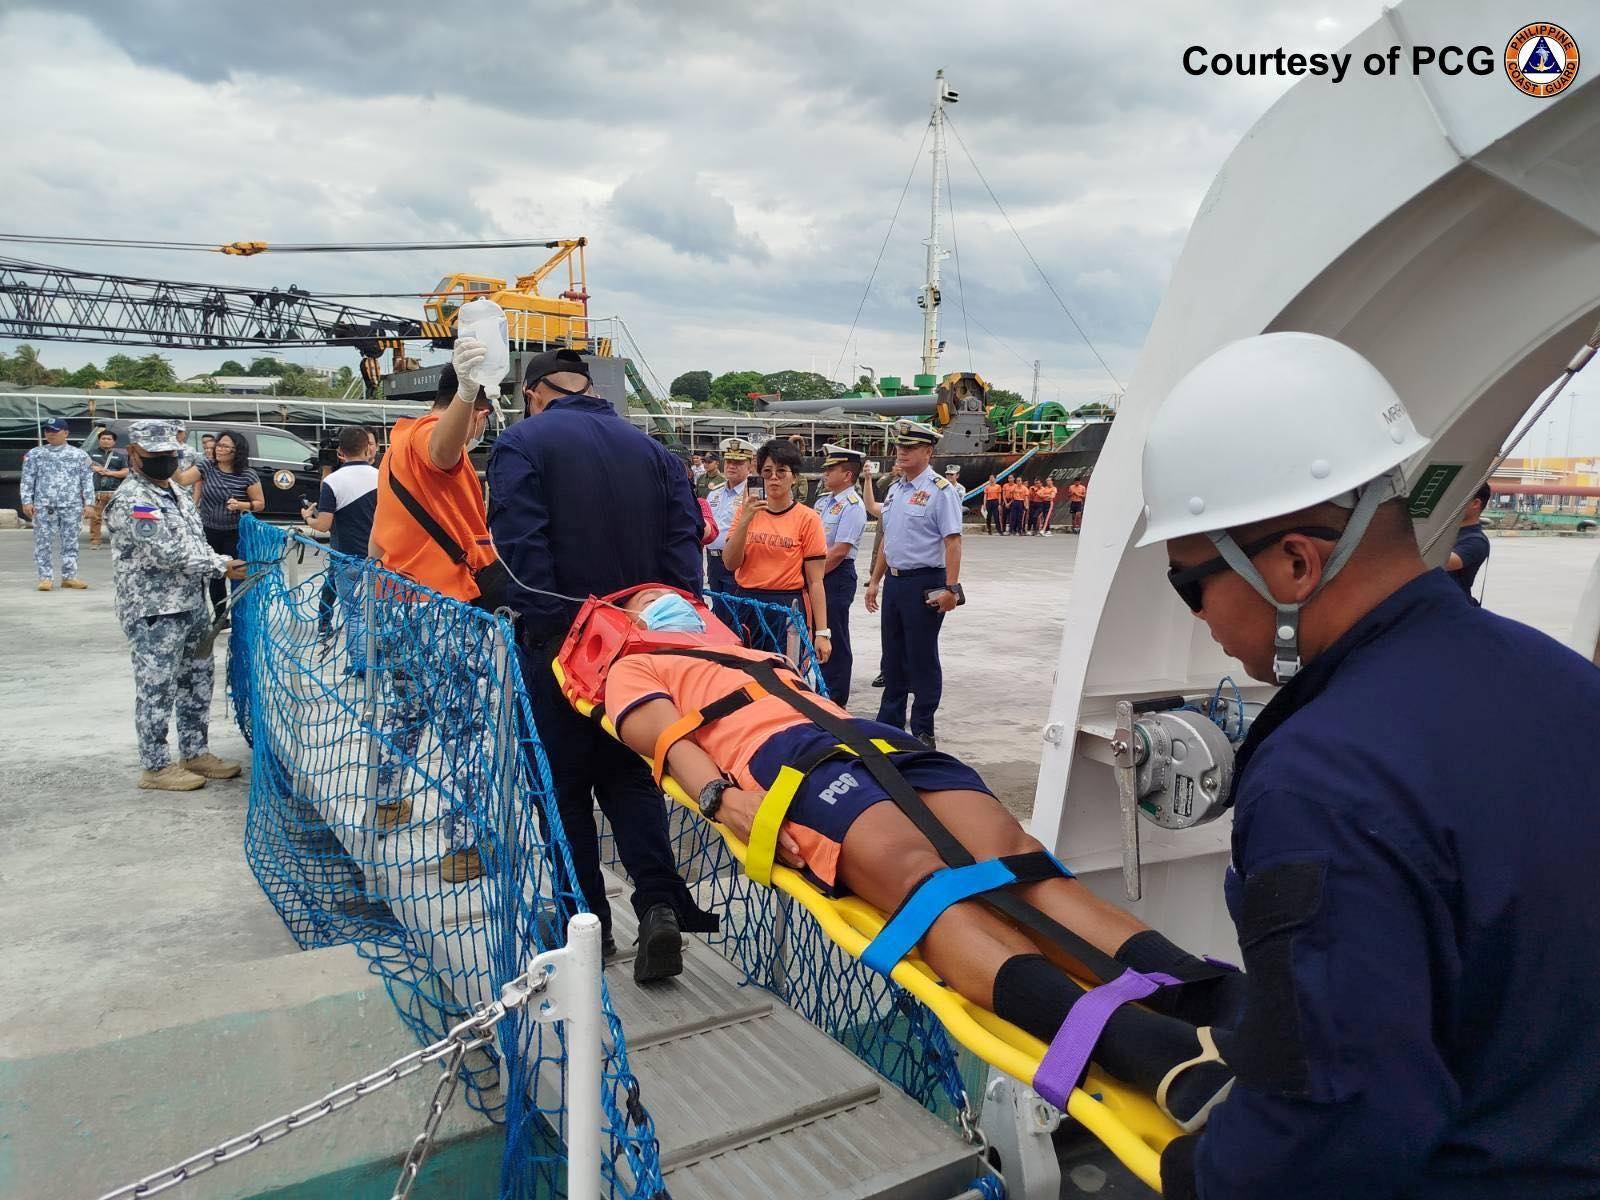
532,318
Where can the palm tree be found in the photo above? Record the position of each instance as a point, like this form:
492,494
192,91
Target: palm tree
26,368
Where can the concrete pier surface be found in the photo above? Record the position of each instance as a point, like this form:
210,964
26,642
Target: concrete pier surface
151,1001
125,915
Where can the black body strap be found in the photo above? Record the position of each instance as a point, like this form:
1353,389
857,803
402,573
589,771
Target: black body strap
911,803
424,518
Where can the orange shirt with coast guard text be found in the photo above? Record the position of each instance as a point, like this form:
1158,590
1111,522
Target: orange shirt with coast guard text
453,498
776,547
691,684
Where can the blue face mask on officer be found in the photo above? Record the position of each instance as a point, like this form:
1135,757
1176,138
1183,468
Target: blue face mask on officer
671,614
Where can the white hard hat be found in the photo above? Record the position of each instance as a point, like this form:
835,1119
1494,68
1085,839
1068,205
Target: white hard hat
1267,426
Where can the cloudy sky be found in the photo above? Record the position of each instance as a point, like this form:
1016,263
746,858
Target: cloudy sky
735,165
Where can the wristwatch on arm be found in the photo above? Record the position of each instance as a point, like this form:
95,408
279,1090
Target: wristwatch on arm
710,798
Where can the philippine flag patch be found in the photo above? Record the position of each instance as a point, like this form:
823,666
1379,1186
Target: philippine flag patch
144,512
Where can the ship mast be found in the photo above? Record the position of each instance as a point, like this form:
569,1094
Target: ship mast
928,299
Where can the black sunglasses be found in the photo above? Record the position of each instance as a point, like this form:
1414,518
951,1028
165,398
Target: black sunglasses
1187,581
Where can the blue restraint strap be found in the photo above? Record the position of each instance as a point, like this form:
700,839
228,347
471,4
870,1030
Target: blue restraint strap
925,905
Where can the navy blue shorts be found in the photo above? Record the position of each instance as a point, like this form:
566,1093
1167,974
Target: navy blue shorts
841,789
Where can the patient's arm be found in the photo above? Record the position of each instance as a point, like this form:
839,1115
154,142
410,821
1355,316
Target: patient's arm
693,768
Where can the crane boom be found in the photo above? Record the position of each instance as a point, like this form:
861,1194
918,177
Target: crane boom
59,304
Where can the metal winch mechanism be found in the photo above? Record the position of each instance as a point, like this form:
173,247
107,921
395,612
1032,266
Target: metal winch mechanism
1174,767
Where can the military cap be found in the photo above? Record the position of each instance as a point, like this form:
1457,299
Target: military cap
155,437
842,456
736,449
914,433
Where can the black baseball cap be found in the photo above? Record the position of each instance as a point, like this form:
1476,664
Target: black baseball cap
450,383
554,362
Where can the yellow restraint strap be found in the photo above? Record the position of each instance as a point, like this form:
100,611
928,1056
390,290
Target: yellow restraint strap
763,844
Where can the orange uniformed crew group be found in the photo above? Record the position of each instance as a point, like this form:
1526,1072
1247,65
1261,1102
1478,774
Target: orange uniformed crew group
1017,506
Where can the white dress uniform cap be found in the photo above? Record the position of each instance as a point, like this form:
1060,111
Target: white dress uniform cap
737,448
914,433
834,456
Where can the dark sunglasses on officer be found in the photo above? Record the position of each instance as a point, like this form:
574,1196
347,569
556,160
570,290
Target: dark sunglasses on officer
1189,582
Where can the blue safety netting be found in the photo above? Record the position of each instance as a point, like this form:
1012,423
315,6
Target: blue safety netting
393,745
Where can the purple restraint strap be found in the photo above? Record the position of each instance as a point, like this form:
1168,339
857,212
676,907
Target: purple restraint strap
1064,1062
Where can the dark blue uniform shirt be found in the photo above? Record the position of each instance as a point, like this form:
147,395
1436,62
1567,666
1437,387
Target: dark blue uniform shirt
582,503
1472,546
1418,902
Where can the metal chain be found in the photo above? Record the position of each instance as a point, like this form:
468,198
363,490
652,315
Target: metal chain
443,1094
971,1130
475,1031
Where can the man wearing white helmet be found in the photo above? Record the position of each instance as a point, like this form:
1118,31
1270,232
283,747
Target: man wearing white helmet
1417,912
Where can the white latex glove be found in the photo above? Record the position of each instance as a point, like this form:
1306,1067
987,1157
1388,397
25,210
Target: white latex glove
467,357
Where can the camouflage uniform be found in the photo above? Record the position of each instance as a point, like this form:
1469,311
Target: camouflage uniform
57,481
160,563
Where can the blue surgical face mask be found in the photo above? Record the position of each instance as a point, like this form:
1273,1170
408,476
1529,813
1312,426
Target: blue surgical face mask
671,614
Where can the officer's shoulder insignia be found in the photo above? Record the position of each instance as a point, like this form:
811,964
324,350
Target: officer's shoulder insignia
939,481
854,499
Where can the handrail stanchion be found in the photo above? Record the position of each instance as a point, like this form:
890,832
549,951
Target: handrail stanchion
577,1000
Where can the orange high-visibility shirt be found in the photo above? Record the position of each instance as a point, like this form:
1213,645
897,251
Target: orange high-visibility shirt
777,546
992,491
453,498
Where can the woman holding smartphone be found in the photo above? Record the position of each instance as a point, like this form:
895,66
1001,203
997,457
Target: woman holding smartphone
227,488
776,548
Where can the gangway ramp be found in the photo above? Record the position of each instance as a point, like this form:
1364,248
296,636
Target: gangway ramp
748,1098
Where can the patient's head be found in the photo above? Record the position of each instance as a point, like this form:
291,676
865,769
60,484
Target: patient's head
662,610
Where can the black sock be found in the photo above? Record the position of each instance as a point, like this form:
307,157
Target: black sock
1214,1001
1137,1046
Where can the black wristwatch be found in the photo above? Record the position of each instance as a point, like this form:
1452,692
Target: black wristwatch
710,798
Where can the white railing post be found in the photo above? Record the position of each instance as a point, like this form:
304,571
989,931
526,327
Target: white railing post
576,999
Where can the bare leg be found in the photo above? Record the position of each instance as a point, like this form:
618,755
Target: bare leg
884,858
987,830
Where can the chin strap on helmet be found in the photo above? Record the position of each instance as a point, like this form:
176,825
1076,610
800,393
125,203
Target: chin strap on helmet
1286,630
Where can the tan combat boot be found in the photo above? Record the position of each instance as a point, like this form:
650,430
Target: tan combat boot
44,585
390,814
212,767
171,778
459,866
76,585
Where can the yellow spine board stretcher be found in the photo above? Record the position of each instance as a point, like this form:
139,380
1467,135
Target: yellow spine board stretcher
1125,1120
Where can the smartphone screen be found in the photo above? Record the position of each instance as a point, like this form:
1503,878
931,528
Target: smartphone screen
758,487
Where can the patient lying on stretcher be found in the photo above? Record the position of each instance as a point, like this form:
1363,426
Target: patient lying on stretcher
847,836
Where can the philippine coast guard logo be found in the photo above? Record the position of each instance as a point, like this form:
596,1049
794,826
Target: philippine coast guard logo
1541,59
283,480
